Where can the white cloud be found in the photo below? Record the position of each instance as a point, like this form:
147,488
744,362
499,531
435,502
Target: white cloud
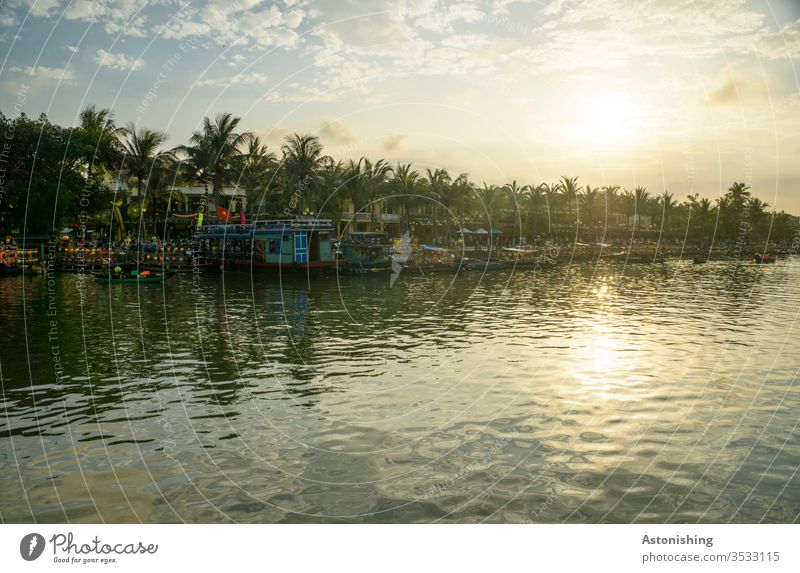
246,78
179,29
783,44
133,28
299,93
117,61
36,7
73,49
43,72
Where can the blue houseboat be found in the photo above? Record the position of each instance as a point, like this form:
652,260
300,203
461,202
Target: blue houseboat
289,244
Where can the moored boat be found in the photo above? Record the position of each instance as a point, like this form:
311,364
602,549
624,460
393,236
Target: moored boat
764,258
366,252
119,275
298,244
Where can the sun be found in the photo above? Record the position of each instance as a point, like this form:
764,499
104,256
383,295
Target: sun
604,119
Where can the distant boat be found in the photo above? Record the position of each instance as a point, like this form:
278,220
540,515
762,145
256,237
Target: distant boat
699,259
120,276
764,258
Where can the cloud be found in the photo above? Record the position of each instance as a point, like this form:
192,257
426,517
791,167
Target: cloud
43,72
299,93
734,89
73,49
117,61
783,44
239,79
395,142
337,131
179,29
39,8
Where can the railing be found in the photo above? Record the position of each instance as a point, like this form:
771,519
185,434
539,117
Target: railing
369,217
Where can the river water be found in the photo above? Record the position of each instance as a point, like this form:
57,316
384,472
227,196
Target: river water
592,392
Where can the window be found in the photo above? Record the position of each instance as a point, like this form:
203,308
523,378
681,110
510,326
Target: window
274,246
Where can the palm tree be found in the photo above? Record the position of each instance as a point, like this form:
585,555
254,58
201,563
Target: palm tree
437,180
640,200
375,175
570,189
257,168
534,199
331,179
454,194
406,182
612,200
142,156
98,137
551,195
668,204
516,196
213,151
735,201
302,159
491,200
589,200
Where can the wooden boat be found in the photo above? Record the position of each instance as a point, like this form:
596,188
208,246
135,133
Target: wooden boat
131,277
8,270
205,265
428,268
479,265
764,258
366,252
699,259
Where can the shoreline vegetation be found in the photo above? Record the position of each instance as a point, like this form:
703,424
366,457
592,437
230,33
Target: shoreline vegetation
109,178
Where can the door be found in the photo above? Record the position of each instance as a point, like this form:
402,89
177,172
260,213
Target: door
300,248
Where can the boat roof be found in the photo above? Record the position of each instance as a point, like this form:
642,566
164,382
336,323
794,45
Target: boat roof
248,230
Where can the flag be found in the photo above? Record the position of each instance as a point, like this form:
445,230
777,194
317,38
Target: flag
242,219
199,219
222,213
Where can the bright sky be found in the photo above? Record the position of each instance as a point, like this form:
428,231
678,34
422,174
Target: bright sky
687,95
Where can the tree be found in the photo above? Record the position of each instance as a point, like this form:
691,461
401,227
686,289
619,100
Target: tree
588,199
302,159
375,176
534,202
97,141
551,195
570,189
437,180
490,200
733,205
641,198
667,205
143,157
612,198
42,178
405,183
214,150
258,166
